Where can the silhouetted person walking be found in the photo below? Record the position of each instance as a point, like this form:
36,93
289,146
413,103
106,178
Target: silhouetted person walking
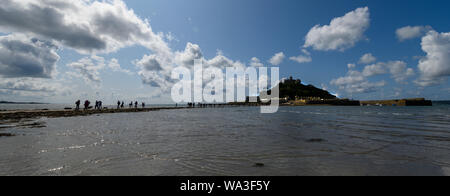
122,105
143,105
135,104
118,104
77,105
86,105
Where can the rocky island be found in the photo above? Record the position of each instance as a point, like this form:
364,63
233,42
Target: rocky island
294,93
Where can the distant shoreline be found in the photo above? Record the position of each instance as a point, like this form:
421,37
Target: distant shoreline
21,103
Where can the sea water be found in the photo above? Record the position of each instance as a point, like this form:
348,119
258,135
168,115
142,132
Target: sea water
231,140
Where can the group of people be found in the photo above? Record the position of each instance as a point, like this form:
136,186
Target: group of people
99,105
120,105
202,105
87,104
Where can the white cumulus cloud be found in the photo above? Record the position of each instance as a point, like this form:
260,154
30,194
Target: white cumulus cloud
33,87
156,70
351,66
89,27
277,59
356,82
367,59
86,26
255,62
115,66
375,69
411,32
21,56
302,58
89,68
398,69
435,66
342,33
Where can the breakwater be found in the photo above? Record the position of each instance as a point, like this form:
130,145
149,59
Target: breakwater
399,102
17,115
24,114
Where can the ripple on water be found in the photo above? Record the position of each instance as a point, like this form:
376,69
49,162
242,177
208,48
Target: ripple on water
229,141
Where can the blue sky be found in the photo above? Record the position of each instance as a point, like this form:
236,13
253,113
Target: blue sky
241,30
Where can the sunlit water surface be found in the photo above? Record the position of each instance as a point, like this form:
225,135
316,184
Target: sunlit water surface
229,141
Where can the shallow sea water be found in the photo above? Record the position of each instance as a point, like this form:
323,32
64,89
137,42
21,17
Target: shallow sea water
230,141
